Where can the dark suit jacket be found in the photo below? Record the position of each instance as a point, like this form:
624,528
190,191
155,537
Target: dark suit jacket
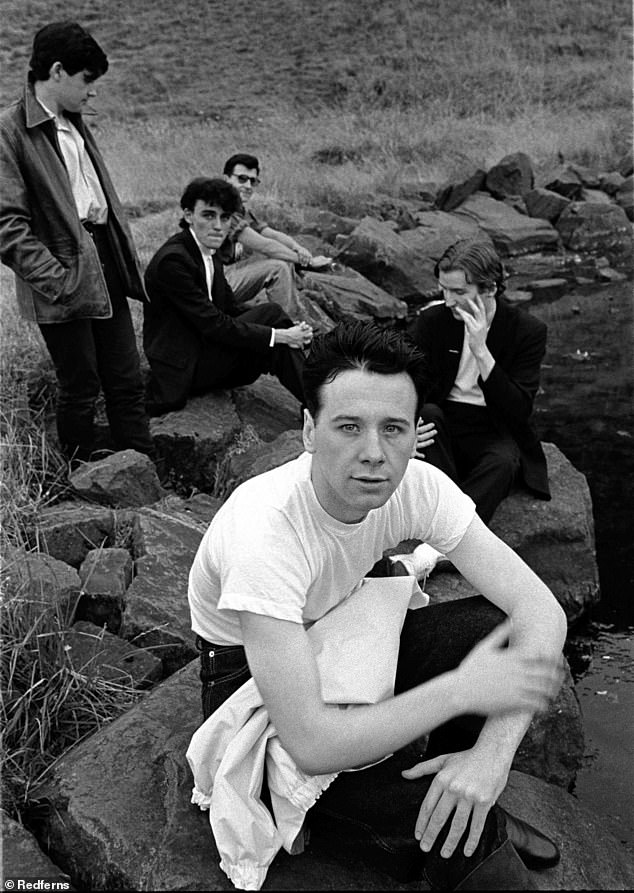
517,342
180,321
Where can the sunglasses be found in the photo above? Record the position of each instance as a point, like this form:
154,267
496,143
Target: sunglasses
243,178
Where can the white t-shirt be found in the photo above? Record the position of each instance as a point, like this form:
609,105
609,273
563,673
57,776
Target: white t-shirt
272,549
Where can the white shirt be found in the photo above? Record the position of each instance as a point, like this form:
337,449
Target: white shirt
90,200
207,255
466,388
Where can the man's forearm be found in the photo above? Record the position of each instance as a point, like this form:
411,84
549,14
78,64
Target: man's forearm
501,736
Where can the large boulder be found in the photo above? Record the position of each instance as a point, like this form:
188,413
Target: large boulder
190,440
513,175
156,614
455,194
625,196
376,251
42,579
346,294
545,204
262,457
105,575
594,226
69,530
564,180
94,652
145,834
122,479
512,233
23,858
267,407
326,225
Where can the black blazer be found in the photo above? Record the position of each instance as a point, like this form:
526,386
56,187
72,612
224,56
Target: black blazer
517,342
180,321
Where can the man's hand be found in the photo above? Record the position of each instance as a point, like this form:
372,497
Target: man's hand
425,436
298,336
475,321
303,255
468,782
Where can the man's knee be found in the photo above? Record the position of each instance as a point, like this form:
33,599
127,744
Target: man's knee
269,314
431,412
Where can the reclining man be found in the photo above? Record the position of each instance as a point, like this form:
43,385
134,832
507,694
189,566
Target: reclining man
310,530
485,357
195,337
248,276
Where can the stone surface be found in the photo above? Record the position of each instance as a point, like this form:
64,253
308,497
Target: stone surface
93,651
625,196
190,441
268,407
40,578
596,196
327,225
545,203
145,835
123,479
347,294
564,180
308,310
69,530
511,232
586,226
22,856
156,614
513,175
379,253
435,233
263,457
548,289
105,575
611,181
455,194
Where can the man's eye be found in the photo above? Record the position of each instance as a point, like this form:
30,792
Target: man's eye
349,426
393,429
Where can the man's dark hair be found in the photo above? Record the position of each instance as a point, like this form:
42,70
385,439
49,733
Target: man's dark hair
70,44
212,191
361,345
478,260
249,161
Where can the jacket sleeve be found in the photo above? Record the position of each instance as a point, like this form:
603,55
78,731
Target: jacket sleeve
511,387
20,249
179,286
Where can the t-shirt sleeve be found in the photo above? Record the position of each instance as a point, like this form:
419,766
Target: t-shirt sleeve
441,512
262,564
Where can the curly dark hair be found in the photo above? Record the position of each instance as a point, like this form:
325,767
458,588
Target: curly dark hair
68,43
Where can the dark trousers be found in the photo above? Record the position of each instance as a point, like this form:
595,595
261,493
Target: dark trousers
434,640
94,354
229,367
474,451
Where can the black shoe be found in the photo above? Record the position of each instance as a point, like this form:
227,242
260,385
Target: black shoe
534,849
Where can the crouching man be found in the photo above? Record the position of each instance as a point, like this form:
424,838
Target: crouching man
290,545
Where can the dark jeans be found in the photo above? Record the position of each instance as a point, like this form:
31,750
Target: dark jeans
229,367
434,640
94,354
474,451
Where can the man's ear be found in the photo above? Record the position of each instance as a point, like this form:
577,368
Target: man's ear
55,71
308,432
188,215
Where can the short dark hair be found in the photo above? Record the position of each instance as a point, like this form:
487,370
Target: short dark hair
361,345
212,191
68,43
478,260
249,161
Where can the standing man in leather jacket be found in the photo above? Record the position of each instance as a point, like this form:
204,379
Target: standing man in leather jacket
64,235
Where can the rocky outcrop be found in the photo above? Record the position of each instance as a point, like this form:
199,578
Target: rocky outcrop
594,226
346,294
146,834
105,575
93,651
511,176
511,232
69,530
125,478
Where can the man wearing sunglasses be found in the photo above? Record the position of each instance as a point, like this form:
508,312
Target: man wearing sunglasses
275,272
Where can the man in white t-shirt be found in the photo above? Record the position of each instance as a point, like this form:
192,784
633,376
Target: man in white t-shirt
290,544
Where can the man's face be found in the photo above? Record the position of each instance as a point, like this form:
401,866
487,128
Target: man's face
209,222
361,441
245,179
457,292
73,91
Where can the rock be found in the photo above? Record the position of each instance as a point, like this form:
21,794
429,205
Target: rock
517,203
400,211
23,858
123,479
595,196
42,579
546,204
548,289
308,310
196,511
610,182
588,175
263,457
455,194
626,165
594,227
607,274
346,294
105,575
435,233
69,530
268,407
95,652
424,192
146,835
625,196
565,181
189,441
156,614
513,175
518,296
512,233
327,225
379,253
